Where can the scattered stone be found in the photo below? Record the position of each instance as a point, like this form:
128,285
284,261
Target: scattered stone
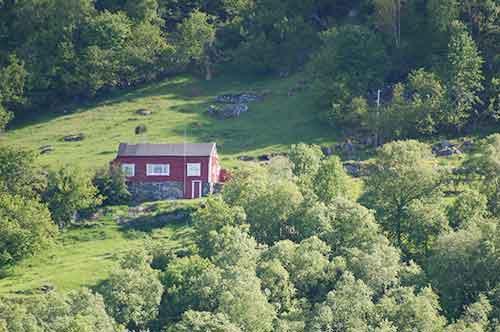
46,288
284,74
264,157
368,140
353,169
293,91
278,154
445,149
346,147
468,145
46,149
144,112
74,138
447,152
302,83
228,111
140,129
246,158
238,98
327,151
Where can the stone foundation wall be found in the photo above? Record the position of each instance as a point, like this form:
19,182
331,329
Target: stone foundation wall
155,191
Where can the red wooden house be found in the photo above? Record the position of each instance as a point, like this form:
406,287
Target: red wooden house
169,171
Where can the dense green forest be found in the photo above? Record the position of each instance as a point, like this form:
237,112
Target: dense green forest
296,245
436,61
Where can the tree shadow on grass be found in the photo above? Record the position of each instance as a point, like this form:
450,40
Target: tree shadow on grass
149,223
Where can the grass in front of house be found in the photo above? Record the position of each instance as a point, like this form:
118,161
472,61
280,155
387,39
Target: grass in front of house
85,256
179,106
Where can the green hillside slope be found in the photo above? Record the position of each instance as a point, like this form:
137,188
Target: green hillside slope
285,116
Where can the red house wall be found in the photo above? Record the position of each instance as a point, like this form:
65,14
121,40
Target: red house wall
177,169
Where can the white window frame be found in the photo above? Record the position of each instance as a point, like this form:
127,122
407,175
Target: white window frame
150,170
129,166
189,169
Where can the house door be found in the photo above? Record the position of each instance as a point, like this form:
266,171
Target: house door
196,189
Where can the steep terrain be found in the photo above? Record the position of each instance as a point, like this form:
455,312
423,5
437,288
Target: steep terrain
284,116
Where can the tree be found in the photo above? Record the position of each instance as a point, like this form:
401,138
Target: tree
308,264
484,166
68,192
469,207
428,99
5,117
111,186
12,83
277,285
210,219
196,40
19,173
469,255
405,172
378,267
305,158
25,228
409,312
244,303
351,61
475,317
241,298
423,222
388,18
191,283
464,76
78,311
347,308
196,321
331,181
269,203
132,294
234,247
342,224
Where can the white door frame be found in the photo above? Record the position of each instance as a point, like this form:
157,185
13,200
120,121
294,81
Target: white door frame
192,188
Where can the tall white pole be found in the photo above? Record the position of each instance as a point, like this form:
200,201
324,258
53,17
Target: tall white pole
378,118
184,165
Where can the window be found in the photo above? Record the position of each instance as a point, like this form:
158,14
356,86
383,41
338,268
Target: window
158,170
193,169
128,169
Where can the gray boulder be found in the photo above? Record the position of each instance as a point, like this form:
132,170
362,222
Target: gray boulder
144,112
140,129
246,158
353,169
327,150
238,98
46,149
228,111
74,138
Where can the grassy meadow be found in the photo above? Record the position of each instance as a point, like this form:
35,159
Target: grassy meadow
179,106
83,257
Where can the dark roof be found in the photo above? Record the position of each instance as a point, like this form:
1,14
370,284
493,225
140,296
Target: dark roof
171,150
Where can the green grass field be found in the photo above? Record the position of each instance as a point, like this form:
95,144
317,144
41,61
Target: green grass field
178,106
84,257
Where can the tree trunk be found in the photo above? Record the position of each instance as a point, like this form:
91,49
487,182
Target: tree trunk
208,68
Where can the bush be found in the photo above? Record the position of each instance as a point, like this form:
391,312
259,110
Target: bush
111,185
68,192
25,228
